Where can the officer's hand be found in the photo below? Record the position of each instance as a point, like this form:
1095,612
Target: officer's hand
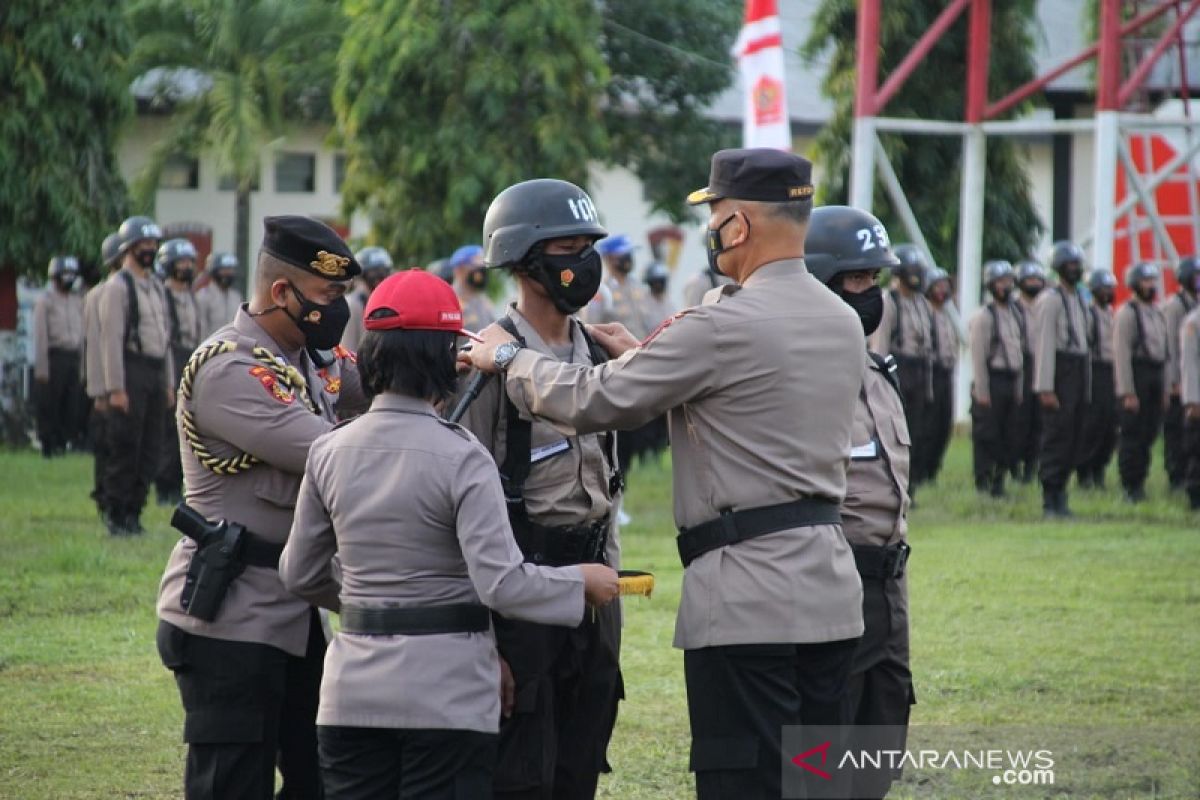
508,689
600,584
1049,401
482,355
1192,411
1130,403
614,337
100,404
119,401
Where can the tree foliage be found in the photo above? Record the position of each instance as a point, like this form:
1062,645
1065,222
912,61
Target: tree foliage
443,105
928,166
65,95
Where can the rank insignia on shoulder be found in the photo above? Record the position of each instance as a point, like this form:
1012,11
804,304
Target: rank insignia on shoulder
666,323
267,378
345,354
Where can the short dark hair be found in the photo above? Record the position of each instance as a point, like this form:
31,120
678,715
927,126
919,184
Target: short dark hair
415,363
796,211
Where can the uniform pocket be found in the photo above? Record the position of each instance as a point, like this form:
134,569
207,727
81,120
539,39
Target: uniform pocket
279,489
900,429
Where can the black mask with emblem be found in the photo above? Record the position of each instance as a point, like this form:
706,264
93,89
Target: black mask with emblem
321,324
570,280
478,279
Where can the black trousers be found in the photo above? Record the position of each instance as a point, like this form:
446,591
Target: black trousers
941,419
568,684
59,400
994,429
247,709
168,483
99,425
1139,429
1099,424
1191,472
135,437
1029,425
392,764
1062,428
914,389
1174,452
739,699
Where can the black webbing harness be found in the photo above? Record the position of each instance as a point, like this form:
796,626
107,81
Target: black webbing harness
133,334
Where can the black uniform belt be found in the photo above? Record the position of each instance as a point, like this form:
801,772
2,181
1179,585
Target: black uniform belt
738,526
1147,362
881,562
1003,373
1067,354
255,551
416,621
149,361
63,351
912,361
563,546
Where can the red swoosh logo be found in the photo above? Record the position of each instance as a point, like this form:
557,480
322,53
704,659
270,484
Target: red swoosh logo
802,760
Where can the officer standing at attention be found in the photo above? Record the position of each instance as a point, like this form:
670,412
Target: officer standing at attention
1060,380
220,300
629,299
176,265
376,265
995,341
246,653
1139,358
424,551
57,338
470,284
560,492
945,359
1100,422
1031,280
136,355
874,514
658,305
1189,392
771,609
93,370
1174,311
907,334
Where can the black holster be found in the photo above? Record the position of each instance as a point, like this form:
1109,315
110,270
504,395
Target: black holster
215,565
561,546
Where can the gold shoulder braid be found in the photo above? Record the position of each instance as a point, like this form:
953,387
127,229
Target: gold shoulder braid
287,375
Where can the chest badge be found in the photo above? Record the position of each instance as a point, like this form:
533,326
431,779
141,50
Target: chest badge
269,382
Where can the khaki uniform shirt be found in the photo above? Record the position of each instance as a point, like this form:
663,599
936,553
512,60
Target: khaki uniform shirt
240,409
1174,310
93,364
947,337
478,311
658,310
154,328
995,341
906,329
218,307
1131,344
699,285
628,305
750,427
568,480
357,300
58,324
1189,358
876,507
187,311
1061,325
412,507
1100,333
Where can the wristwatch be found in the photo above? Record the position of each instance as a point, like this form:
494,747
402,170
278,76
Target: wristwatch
505,353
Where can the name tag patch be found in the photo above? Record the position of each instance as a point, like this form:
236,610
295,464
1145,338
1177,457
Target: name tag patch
549,450
865,452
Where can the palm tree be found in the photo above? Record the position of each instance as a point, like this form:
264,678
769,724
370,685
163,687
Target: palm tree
232,72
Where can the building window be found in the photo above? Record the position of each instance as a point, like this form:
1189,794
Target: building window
295,172
228,184
339,171
180,172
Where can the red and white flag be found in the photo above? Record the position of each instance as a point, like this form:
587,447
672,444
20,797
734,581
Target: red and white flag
759,53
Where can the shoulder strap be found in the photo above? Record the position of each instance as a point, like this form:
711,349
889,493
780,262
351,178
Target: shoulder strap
933,328
598,356
1072,336
1140,342
133,332
897,339
174,313
518,442
887,366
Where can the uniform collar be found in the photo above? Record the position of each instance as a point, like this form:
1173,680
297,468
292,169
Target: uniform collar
247,325
773,270
532,340
390,401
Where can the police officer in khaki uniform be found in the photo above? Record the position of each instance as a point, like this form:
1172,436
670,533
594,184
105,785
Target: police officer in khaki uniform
470,277
247,653
136,356
57,339
1189,392
424,551
1060,380
1174,310
376,265
995,342
219,300
701,284
1100,423
176,267
907,334
945,359
658,305
93,370
876,505
560,491
1031,280
1139,359
761,387
628,301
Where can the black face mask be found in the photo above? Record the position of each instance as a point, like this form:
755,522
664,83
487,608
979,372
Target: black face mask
144,258
1002,295
65,283
184,275
570,280
1102,298
624,265
478,279
867,304
224,281
1071,273
913,281
716,246
1147,295
1031,289
322,325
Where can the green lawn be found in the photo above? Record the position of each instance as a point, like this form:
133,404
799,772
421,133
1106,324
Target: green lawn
1089,625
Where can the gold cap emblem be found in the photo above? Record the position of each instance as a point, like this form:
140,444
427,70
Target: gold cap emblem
330,265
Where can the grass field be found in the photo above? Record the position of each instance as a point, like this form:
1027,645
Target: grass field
1088,626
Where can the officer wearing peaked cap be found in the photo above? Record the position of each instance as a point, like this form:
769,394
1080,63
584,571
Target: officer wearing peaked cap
771,608
247,653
